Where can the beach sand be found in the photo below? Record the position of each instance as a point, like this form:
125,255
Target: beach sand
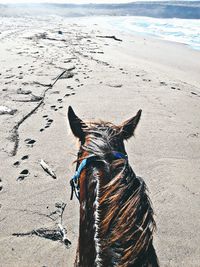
104,79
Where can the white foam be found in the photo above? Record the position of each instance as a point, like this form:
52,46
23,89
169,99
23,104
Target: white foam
186,31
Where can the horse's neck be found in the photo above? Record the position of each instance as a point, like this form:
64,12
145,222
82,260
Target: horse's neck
88,239
94,251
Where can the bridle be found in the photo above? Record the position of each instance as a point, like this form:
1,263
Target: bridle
74,182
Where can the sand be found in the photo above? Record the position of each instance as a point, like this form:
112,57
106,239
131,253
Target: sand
103,79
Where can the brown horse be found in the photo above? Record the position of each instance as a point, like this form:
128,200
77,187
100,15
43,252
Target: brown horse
116,217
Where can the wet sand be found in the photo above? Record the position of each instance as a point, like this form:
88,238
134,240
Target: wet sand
101,78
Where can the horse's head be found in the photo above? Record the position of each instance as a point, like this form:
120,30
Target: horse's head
116,218
102,138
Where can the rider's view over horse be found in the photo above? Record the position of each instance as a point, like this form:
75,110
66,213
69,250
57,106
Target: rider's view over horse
114,204
99,137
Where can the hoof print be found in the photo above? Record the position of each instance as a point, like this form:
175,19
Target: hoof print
23,174
16,163
25,157
29,142
1,185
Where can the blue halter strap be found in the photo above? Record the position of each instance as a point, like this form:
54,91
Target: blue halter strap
74,182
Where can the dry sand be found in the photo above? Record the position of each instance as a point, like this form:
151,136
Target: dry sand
111,80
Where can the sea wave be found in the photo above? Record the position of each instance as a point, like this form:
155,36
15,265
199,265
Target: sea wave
177,30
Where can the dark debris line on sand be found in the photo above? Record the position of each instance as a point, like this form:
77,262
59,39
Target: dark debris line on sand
110,37
14,131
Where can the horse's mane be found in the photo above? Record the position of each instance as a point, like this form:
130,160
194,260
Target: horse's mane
100,134
128,217
126,223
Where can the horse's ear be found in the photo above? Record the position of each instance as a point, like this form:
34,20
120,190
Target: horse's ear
76,124
129,126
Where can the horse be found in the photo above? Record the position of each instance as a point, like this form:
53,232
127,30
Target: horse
116,216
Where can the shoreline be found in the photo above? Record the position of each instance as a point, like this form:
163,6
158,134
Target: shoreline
124,31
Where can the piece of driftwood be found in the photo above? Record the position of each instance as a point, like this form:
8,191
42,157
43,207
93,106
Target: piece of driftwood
63,233
47,169
56,234
7,110
34,98
51,234
110,37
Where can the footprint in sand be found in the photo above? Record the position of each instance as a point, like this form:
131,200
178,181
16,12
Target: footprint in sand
163,83
1,185
16,164
196,135
174,88
25,157
23,174
193,93
55,108
56,92
49,122
29,142
146,80
71,93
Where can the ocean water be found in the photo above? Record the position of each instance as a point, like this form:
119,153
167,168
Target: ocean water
186,31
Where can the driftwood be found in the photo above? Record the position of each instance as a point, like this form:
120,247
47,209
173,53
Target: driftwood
51,234
58,234
47,169
34,98
110,37
7,110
